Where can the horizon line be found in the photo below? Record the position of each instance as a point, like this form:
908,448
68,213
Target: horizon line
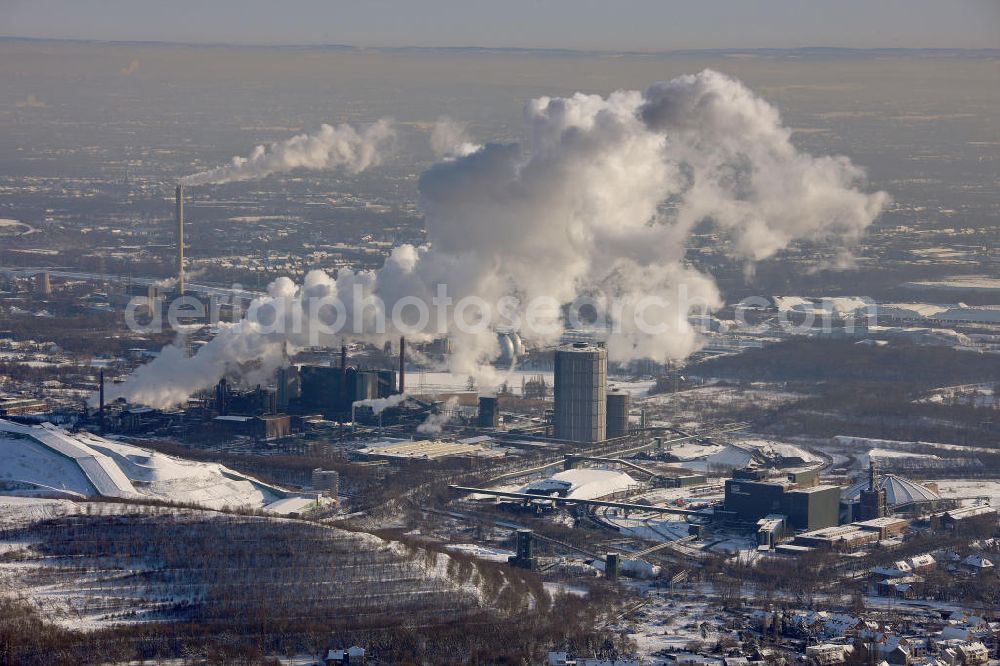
994,51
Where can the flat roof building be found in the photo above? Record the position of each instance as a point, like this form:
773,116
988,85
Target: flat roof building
806,508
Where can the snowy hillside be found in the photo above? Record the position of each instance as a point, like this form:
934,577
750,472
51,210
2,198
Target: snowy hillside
49,461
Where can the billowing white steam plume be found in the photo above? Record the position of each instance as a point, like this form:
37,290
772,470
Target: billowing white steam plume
435,422
330,147
600,204
379,405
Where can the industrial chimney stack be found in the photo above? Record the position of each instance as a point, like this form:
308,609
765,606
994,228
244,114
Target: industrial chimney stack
179,214
101,402
402,364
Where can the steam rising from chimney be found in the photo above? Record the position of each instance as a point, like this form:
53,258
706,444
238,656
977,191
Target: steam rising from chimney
331,147
601,203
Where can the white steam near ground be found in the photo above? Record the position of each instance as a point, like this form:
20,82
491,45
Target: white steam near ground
435,421
600,203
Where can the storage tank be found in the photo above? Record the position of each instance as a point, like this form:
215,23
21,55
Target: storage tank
618,406
508,354
581,372
518,345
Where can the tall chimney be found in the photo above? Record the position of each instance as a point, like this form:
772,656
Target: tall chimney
345,399
44,284
402,364
101,402
179,215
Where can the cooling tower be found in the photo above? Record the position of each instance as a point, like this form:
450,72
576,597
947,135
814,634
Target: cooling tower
581,374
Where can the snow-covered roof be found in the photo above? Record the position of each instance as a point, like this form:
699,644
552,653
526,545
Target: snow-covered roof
977,561
584,483
835,305
898,491
353,651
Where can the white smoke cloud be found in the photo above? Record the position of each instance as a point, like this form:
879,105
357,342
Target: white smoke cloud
600,204
379,405
449,139
331,147
435,422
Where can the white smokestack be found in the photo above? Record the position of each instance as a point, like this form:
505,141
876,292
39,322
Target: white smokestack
579,212
341,146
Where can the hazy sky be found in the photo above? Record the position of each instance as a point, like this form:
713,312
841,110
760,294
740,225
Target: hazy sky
578,24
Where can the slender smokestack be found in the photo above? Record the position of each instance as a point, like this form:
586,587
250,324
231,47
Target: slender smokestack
343,377
101,402
179,215
402,364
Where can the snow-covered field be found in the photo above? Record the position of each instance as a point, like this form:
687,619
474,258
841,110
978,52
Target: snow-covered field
859,444
693,407
481,552
970,488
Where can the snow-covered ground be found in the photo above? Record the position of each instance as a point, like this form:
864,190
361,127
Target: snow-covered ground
86,588
21,510
481,552
51,462
692,408
975,395
970,488
855,444
673,624
743,452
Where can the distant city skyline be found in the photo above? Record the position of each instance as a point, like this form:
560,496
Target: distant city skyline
631,25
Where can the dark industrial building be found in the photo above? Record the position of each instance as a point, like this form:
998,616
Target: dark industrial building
273,426
750,498
333,390
489,412
872,502
812,508
525,555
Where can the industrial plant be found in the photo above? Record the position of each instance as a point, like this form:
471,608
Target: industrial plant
321,355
